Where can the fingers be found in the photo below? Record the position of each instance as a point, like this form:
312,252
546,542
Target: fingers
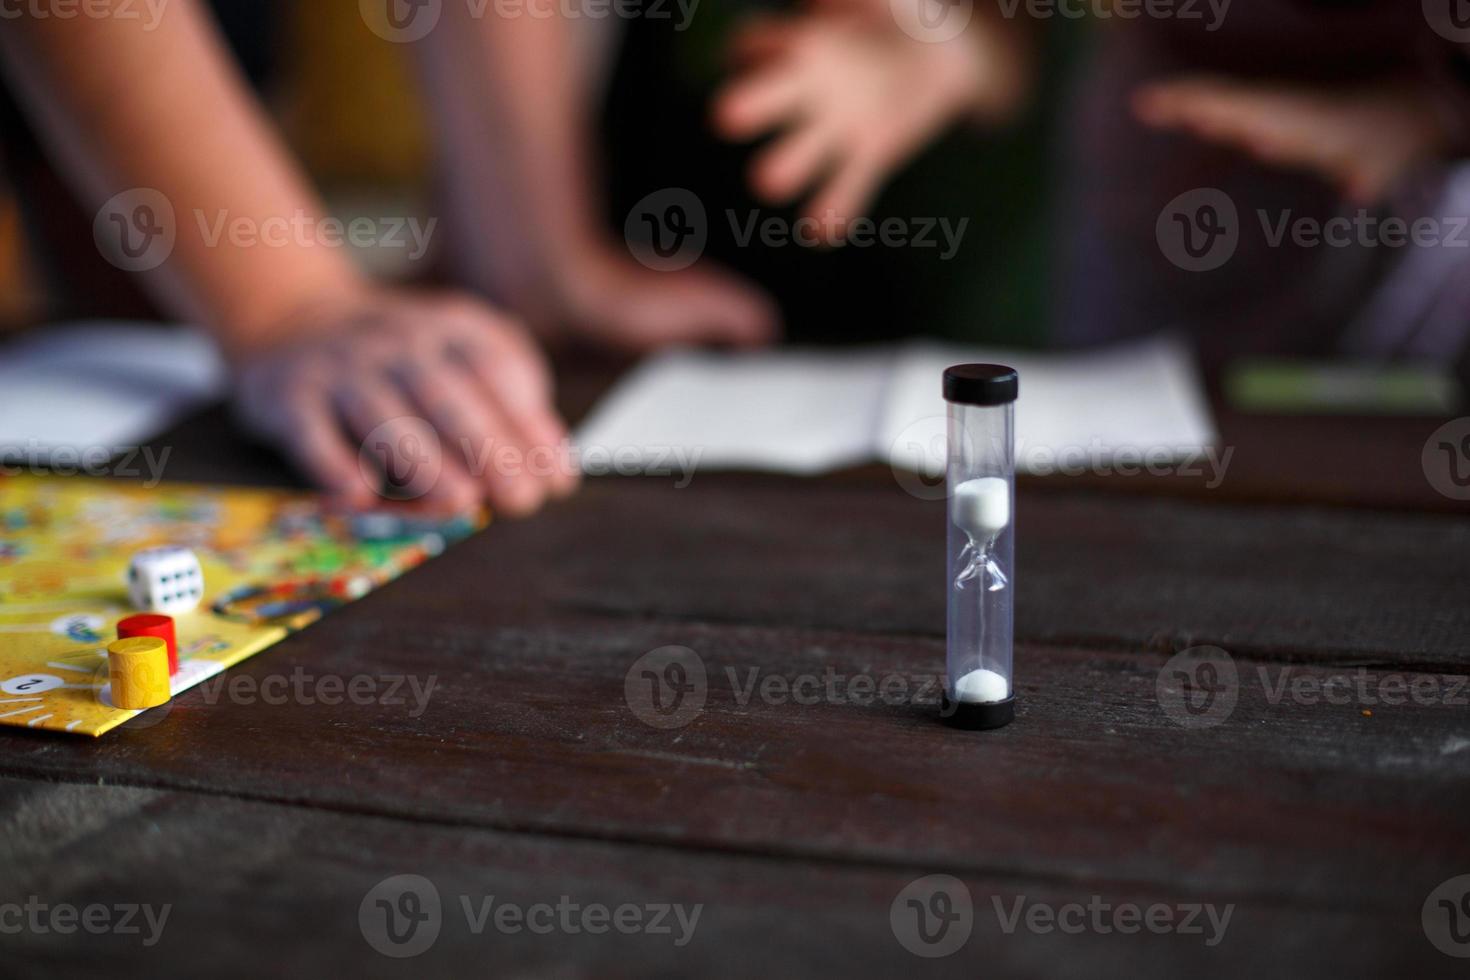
792,164
846,196
476,435
511,374
754,104
1283,127
315,443
396,440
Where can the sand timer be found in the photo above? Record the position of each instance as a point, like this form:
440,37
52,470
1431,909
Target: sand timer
981,542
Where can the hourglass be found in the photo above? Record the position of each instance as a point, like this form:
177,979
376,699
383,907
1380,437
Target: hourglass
981,543
982,509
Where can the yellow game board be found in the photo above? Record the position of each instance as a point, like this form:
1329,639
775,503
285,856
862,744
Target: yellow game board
273,561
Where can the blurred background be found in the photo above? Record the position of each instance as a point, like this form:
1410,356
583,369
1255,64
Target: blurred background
1295,112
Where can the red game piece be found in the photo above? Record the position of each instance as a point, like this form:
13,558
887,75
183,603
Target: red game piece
153,624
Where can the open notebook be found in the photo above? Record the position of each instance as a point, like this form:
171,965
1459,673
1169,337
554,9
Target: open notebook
809,411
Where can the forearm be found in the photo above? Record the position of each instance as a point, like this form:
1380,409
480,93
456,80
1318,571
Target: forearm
510,96
123,108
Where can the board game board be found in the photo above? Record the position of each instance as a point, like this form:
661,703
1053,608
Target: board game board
274,562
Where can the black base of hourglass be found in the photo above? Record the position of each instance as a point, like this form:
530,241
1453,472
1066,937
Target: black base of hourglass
977,716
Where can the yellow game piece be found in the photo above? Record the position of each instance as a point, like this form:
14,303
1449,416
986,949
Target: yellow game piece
139,669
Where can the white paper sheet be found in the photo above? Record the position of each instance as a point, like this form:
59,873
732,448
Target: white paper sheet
793,411
101,384
809,411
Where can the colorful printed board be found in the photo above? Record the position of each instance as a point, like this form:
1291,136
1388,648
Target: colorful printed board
273,562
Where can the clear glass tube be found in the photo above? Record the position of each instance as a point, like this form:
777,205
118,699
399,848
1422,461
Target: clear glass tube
980,581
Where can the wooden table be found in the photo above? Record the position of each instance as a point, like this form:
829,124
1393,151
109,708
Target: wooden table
528,777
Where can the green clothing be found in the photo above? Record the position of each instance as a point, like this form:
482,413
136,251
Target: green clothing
990,191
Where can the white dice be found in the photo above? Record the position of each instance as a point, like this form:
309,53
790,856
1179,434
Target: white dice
165,580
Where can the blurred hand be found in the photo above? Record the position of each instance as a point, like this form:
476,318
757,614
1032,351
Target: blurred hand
343,397
1363,140
853,97
612,300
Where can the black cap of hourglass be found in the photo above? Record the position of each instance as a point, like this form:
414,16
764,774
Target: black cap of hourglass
981,384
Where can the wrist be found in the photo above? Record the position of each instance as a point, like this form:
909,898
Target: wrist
279,319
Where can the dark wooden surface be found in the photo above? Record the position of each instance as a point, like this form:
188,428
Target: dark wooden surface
528,777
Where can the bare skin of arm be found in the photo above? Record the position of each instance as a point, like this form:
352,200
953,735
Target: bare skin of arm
515,134
1362,140
323,358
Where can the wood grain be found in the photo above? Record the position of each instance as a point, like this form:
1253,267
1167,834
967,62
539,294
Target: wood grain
798,819
253,885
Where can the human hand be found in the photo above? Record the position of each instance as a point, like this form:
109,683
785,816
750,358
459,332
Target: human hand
854,97
613,301
1363,140
365,368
